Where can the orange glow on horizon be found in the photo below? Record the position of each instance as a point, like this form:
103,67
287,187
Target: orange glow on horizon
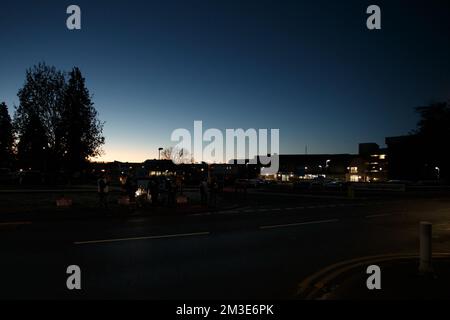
124,154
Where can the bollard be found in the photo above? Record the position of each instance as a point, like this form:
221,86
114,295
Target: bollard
425,248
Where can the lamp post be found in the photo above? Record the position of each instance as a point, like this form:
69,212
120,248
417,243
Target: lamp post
438,172
327,165
159,153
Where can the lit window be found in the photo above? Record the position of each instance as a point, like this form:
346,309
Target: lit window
382,157
353,169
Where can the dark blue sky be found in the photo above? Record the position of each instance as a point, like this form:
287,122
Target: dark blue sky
311,69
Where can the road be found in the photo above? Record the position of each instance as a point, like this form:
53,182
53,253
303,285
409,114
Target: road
263,250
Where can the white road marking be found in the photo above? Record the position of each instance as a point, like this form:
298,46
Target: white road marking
379,215
299,224
202,214
144,238
137,220
16,223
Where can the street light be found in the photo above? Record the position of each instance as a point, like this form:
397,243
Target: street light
438,172
159,153
327,163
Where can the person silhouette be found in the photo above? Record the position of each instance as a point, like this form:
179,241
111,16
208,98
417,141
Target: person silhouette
103,190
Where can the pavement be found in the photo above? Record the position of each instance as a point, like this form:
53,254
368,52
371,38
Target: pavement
400,279
40,204
262,250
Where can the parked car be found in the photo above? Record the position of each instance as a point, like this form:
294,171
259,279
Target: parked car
31,177
301,185
405,182
334,185
428,183
317,184
268,182
250,183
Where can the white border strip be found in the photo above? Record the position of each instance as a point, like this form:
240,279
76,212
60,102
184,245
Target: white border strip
144,238
299,224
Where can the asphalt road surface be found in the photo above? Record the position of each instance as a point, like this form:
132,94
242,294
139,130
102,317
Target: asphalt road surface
263,250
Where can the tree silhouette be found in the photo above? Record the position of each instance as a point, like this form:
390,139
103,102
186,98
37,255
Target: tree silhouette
39,113
178,156
56,123
433,129
80,128
33,147
434,120
6,137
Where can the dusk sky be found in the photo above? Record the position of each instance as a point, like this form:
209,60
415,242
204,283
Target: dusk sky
310,68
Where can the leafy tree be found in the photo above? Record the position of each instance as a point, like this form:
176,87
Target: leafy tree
433,129
39,113
6,136
56,123
434,120
32,148
80,127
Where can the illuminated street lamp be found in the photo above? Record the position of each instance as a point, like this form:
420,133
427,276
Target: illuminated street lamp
159,153
438,172
327,163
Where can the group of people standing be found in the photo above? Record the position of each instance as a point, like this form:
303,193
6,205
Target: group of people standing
161,190
162,186
208,192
